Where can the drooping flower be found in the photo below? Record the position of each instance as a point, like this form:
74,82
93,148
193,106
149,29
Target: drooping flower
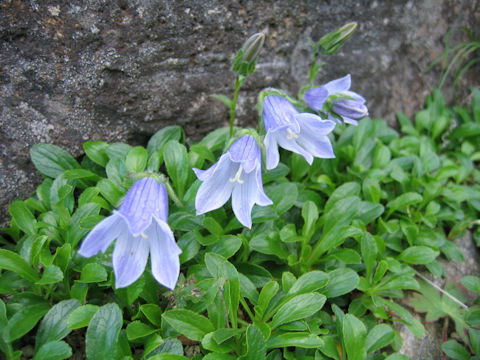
237,173
140,227
336,96
302,133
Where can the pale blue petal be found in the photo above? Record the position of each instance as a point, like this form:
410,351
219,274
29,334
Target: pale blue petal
262,198
350,108
277,113
205,174
350,121
338,85
318,146
129,258
315,97
355,96
292,145
271,147
243,198
144,199
245,151
102,235
314,124
164,254
215,191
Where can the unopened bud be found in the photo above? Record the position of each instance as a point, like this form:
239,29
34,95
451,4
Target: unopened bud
251,48
331,42
246,57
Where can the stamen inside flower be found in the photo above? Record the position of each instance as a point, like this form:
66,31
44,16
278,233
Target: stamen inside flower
142,234
237,176
291,134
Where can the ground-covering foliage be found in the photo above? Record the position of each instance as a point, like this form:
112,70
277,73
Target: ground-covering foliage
319,274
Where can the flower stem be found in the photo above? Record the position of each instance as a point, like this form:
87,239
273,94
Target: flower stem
172,195
233,108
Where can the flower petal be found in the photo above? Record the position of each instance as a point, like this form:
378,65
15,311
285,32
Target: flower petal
245,151
144,199
291,144
244,197
102,235
315,97
314,124
164,254
271,147
215,191
205,174
129,259
338,85
277,113
262,198
355,96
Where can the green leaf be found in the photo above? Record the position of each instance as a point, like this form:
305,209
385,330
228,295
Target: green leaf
166,356
102,333
298,307
343,191
342,281
265,244
354,337
153,313
110,192
136,160
283,196
176,162
13,262
192,325
81,316
54,325
51,160
472,283
455,351
309,282
97,151
54,350
380,335
93,273
25,320
404,200
22,216
418,255
369,252
227,246
136,330
51,275
310,216
162,136
256,346
413,324
224,99
297,339
341,213
266,295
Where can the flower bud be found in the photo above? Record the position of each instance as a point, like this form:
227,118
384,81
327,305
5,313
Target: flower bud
251,48
331,42
246,57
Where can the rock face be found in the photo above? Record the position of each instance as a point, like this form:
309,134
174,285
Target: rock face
120,70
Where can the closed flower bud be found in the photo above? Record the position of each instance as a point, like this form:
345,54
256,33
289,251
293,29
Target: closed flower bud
331,42
246,57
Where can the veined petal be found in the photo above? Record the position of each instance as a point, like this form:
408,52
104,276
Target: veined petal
102,235
315,97
277,113
318,146
215,191
354,95
244,197
350,108
271,147
291,144
164,254
350,121
245,151
144,199
314,124
205,174
262,198
338,85
129,258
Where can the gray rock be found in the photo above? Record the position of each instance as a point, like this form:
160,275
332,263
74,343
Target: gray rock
120,70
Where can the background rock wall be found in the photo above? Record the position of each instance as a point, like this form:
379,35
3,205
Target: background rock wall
120,70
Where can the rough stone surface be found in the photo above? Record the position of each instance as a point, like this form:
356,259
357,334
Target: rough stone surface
120,70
